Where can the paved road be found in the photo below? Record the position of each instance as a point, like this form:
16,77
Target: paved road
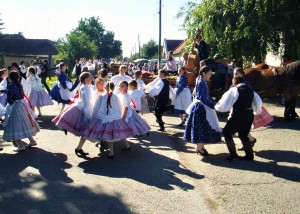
52,179
160,174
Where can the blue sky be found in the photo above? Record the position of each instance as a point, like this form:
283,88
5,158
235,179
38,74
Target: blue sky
45,19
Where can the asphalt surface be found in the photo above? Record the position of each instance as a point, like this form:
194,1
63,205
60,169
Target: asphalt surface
160,174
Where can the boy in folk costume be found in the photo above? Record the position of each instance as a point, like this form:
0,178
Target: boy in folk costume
243,102
162,91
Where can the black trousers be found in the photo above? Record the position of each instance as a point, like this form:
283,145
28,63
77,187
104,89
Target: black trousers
43,80
158,112
240,123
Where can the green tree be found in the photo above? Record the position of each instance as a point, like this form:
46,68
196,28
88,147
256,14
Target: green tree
149,50
75,46
89,39
245,29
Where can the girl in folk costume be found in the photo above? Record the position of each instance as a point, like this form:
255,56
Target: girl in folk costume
139,125
99,88
260,120
63,91
38,96
99,91
183,95
25,86
202,124
242,102
141,87
19,123
140,82
75,118
136,96
107,123
3,92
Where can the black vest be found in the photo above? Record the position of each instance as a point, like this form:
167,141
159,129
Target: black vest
244,101
162,98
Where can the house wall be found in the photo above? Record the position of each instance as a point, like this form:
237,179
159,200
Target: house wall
7,59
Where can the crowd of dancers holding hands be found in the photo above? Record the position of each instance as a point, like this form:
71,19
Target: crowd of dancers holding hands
108,111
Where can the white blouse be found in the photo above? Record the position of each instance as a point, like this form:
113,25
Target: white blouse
228,99
136,96
86,100
35,83
119,78
107,112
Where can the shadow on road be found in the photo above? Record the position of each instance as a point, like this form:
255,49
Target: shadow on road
290,173
142,165
281,123
45,122
49,190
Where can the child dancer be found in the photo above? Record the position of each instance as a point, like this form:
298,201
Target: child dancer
140,82
99,88
243,102
139,125
183,95
38,96
107,123
262,119
19,123
162,91
74,119
203,124
3,96
63,91
99,91
136,96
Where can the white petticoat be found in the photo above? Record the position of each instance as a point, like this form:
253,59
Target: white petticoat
183,100
66,94
211,115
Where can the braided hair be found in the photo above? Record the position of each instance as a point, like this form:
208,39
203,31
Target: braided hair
110,86
82,77
32,70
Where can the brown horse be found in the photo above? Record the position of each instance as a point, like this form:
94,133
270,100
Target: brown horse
269,83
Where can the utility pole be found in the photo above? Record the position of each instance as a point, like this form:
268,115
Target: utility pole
139,45
159,40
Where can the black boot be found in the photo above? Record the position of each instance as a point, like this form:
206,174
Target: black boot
232,150
248,150
161,124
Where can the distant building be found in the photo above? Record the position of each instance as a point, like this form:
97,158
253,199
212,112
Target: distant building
171,45
16,48
179,50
